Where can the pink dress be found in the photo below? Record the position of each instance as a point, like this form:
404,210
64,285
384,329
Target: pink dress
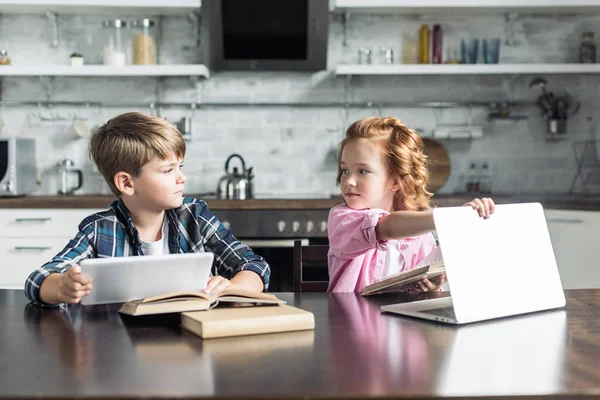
356,258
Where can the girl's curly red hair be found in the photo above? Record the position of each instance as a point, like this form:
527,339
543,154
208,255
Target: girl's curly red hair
402,151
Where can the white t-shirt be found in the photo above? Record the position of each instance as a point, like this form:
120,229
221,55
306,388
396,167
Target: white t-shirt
394,262
161,246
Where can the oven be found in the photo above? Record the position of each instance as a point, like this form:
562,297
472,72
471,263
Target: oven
271,234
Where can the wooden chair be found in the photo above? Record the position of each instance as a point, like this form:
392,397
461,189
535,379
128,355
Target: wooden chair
310,262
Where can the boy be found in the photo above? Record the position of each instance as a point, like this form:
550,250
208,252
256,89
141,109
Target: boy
140,158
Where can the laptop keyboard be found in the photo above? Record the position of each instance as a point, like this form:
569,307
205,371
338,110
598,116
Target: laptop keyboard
447,312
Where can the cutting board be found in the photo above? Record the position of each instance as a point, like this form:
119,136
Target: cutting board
439,163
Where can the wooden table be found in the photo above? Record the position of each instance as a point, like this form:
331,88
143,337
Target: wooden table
354,352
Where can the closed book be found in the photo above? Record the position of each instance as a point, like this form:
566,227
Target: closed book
238,321
430,267
173,302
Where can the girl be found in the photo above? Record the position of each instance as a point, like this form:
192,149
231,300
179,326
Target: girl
385,225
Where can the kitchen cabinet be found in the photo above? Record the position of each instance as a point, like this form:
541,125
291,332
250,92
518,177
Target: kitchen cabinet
132,7
30,237
575,238
424,6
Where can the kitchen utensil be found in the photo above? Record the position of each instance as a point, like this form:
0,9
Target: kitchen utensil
236,185
184,126
539,82
67,172
79,129
438,163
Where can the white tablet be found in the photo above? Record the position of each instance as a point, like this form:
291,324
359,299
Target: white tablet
121,279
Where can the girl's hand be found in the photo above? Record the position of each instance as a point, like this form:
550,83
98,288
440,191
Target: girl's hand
433,285
216,284
485,206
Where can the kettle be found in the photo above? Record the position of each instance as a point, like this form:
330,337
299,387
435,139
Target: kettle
236,185
67,171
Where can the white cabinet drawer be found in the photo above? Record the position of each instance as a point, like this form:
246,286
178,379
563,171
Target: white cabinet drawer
574,237
20,256
20,222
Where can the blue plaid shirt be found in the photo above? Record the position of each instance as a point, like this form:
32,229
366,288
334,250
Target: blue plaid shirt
192,229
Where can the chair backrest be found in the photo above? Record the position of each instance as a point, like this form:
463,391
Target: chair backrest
310,262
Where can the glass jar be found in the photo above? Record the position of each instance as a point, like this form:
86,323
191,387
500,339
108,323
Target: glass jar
114,51
4,58
587,49
143,49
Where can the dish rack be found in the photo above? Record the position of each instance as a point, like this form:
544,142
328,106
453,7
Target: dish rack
587,156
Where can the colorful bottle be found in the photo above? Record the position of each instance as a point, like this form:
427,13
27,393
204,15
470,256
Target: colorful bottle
437,44
424,44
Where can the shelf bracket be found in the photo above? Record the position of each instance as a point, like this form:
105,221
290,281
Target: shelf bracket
193,81
347,87
345,19
52,18
48,85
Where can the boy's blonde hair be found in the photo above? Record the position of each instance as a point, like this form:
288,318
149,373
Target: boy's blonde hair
129,141
402,154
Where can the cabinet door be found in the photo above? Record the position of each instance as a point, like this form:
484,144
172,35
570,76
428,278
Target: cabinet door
23,222
575,239
20,256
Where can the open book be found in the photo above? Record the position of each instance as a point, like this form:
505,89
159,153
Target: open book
430,267
197,300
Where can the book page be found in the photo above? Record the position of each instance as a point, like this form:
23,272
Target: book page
175,296
432,265
434,258
240,291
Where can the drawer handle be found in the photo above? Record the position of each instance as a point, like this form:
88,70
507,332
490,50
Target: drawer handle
566,220
41,219
32,248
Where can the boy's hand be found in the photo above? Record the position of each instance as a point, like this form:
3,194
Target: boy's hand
485,206
216,284
433,285
73,285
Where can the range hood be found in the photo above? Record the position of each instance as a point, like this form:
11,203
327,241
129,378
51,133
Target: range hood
266,35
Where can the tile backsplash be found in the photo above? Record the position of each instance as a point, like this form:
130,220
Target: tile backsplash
292,148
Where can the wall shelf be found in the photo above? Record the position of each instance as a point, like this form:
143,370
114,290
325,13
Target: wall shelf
466,69
131,7
197,70
489,6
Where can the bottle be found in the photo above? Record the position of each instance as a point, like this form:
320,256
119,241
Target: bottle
4,58
485,181
437,44
587,49
472,183
424,44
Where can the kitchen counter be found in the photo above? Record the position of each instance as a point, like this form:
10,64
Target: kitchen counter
102,201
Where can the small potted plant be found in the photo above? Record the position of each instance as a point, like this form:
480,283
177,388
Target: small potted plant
76,59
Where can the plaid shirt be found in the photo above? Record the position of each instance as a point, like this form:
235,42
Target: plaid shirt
192,229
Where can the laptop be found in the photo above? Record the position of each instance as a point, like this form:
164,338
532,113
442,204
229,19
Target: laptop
121,279
495,267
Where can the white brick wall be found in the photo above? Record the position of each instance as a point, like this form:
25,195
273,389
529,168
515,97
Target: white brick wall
290,148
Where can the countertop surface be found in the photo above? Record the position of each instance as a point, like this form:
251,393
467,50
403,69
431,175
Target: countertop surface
102,201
